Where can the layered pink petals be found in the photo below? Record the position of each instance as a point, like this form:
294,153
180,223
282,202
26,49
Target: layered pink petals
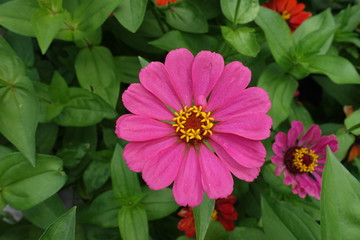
137,128
188,189
216,178
206,70
157,173
296,129
137,154
156,80
253,126
141,102
178,64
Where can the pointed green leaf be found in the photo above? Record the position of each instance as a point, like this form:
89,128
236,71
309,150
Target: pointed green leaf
345,140
240,11
128,69
352,123
125,182
23,186
299,113
62,228
133,223
130,13
340,200
202,215
245,233
58,89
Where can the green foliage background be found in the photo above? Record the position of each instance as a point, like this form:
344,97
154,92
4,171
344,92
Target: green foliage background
64,65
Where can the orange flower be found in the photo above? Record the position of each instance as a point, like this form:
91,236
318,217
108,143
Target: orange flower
224,212
164,2
290,10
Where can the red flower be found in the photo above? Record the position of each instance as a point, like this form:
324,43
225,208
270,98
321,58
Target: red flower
224,212
290,10
164,2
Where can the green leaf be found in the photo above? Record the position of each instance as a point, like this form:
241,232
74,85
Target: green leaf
246,233
278,36
143,62
202,215
23,186
352,122
275,182
242,39
193,42
340,199
338,69
216,231
186,17
345,140
46,212
98,171
240,11
130,14
16,16
125,182
299,113
159,204
315,35
23,46
133,223
55,5
349,18
276,215
281,89
46,25
84,109
58,89
95,70
103,211
62,228
128,69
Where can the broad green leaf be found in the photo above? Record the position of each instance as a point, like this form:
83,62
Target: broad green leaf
125,182
240,11
4,151
11,66
46,212
340,199
23,46
130,13
186,17
103,211
159,204
281,89
276,215
95,70
16,16
58,89
133,223
299,113
278,36
315,35
246,233
84,109
310,205
242,39
143,62
23,186
352,122
62,228
349,18
46,25
338,69
128,69
55,5
216,231
193,42
202,215
345,140
210,8
275,182
20,232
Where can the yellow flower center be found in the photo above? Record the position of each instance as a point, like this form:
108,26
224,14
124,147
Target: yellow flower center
285,15
193,124
300,160
214,215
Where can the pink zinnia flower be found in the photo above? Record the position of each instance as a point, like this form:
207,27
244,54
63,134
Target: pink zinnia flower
302,157
194,123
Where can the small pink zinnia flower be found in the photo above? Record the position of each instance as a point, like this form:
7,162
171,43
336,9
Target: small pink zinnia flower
302,157
194,123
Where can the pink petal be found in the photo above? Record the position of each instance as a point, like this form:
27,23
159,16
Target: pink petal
277,160
156,80
178,63
252,126
141,102
161,170
311,136
188,188
241,172
248,153
206,70
289,178
137,154
131,127
216,179
279,169
250,100
280,145
320,146
296,129
233,79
